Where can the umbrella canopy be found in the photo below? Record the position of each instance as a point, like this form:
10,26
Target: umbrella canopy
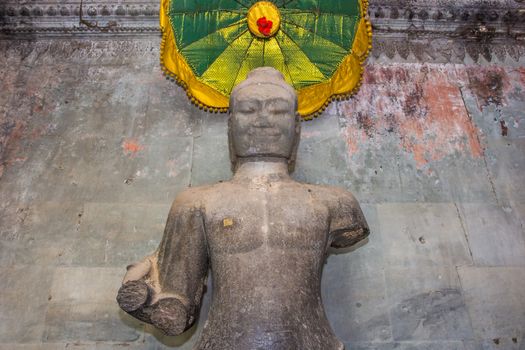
209,46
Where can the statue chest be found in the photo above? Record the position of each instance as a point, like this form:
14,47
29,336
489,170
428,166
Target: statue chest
272,219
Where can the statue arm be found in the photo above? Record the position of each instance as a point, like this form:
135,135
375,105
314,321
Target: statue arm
165,289
348,225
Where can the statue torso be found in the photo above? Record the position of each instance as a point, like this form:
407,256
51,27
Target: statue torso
267,241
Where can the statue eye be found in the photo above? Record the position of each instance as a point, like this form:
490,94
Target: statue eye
247,108
279,110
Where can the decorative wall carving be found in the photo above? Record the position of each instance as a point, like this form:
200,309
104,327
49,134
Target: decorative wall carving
436,31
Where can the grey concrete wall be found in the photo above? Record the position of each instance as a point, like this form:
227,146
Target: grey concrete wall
95,144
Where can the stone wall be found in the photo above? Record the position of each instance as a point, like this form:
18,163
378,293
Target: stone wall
95,144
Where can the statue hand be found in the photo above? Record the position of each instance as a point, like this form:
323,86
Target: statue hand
141,300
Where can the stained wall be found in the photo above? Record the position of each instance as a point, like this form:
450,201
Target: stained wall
95,143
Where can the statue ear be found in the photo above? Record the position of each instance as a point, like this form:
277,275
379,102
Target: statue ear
295,145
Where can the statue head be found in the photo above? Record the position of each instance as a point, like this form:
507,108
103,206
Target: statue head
263,123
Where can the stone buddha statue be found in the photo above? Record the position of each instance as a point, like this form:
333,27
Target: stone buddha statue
263,235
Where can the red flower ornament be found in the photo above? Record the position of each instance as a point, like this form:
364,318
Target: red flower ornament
265,26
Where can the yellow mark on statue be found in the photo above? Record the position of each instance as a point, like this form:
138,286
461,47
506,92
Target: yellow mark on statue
227,222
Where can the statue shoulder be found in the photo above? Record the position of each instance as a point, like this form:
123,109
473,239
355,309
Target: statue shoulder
347,222
196,197
331,195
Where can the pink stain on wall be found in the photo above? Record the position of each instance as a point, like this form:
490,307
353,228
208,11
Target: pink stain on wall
421,106
131,147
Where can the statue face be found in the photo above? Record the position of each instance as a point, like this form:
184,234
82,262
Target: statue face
263,122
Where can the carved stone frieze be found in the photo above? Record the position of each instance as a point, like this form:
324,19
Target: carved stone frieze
433,31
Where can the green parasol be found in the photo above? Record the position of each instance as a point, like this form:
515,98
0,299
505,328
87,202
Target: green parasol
319,46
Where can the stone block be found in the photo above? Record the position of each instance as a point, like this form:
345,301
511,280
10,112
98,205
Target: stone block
353,289
33,346
24,300
169,111
211,124
355,301
117,234
421,235
495,234
499,343
211,160
73,285
506,162
44,232
495,297
427,304
519,208
133,170
321,159
442,345
82,307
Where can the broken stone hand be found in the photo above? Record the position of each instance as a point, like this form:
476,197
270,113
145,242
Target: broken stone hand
140,296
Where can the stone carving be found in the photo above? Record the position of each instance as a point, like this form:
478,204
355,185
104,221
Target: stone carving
264,235
444,31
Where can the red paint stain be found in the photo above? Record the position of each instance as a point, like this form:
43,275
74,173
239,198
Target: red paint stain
420,105
131,147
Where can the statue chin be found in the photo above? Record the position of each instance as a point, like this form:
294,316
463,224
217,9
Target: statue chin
263,236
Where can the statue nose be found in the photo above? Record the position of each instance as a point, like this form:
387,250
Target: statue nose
262,121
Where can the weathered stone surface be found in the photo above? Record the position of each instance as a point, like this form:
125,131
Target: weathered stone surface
25,292
358,309
505,160
466,31
321,157
498,225
408,132
127,233
427,304
208,170
34,346
449,345
60,97
82,307
417,235
41,233
495,297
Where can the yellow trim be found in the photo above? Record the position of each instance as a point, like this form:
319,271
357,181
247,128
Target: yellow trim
312,100
263,9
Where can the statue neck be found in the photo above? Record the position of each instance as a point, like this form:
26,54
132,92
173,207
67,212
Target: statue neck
253,168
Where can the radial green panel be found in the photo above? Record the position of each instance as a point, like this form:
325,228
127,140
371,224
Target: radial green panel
253,58
222,73
199,25
302,70
350,8
193,6
324,54
335,28
202,53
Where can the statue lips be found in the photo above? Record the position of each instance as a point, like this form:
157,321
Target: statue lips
264,131
265,26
